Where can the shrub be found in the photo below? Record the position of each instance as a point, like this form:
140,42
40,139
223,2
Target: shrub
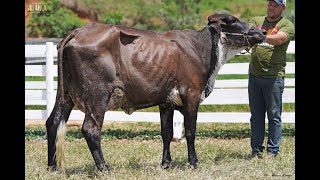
112,18
181,14
56,22
246,15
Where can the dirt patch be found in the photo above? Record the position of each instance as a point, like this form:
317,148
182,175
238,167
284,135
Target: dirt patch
37,123
31,123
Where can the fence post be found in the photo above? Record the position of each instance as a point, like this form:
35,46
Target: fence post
49,77
177,125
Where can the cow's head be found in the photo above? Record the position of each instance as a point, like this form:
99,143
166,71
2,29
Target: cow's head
235,32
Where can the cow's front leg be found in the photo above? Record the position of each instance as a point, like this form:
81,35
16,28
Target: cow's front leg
166,115
190,111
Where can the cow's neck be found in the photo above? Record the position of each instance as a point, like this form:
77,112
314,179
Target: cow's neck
220,54
225,53
206,43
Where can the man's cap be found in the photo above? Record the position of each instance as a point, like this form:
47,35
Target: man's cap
280,2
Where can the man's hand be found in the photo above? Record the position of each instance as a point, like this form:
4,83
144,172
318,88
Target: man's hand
277,39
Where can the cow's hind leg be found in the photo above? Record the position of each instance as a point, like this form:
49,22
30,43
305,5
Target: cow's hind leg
166,116
58,117
91,130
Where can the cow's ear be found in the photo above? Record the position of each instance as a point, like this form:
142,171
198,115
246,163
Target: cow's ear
127,38
217,18
215,22
214,18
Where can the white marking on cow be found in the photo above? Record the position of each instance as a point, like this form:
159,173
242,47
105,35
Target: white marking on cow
203,95
224,53
174,97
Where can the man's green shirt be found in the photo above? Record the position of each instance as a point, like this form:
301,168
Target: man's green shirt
269,60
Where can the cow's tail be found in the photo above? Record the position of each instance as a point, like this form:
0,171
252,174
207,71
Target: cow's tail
60,48
60,138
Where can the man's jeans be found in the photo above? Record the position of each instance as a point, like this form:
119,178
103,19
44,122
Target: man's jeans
265,95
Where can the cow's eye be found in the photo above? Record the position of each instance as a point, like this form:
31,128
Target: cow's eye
233,21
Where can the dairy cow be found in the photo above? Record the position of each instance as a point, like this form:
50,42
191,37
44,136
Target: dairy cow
103,67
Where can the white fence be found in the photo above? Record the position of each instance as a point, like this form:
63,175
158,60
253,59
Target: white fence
225,92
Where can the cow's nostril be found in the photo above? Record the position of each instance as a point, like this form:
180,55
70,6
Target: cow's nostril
264,32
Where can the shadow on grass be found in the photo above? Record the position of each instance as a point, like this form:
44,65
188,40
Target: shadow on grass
180,164
234,155
88,170
31,134
175,164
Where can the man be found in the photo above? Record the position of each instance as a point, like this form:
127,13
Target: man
266,78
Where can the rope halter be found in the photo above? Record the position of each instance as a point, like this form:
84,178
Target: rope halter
245,36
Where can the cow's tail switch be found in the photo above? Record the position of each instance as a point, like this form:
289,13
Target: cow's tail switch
60,48
59,143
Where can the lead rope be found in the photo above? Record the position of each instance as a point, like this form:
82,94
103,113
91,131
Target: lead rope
245,38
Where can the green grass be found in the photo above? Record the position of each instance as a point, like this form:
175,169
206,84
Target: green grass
218,159
37,78
134,151
149,131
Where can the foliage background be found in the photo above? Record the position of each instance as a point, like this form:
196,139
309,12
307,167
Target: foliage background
157,15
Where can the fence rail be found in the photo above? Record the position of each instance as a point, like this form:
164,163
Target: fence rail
233,91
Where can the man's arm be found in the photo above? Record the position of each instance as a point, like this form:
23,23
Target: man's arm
277,39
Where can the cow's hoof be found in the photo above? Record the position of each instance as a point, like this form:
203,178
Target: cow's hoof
165,165
104,168
52,168
193,165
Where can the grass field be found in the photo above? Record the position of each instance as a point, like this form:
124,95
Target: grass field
134,151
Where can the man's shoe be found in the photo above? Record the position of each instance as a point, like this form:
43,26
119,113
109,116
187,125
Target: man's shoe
271,155
257,154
